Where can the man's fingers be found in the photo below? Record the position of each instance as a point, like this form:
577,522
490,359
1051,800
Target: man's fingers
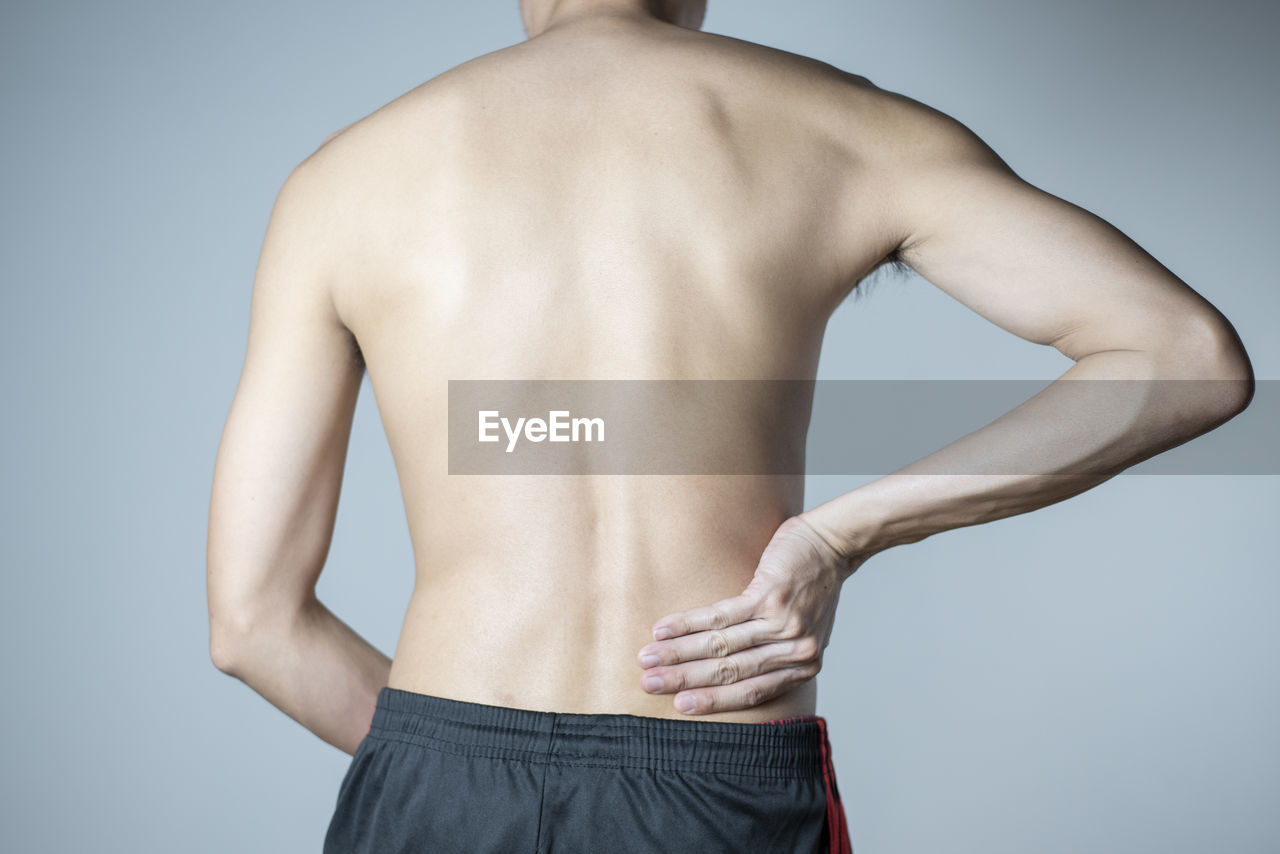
717,615
739,695
722,671
715,643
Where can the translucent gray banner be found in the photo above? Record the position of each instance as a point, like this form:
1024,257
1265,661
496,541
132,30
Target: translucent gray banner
857,427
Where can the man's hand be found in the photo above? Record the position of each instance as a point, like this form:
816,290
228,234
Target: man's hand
740,652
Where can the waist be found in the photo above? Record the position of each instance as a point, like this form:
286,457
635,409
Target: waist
548,660
788,748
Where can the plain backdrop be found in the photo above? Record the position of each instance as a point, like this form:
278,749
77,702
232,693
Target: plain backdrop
1099,675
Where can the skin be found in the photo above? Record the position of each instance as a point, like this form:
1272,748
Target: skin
697,208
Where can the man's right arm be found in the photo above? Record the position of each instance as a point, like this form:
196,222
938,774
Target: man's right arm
1053,273
1041,268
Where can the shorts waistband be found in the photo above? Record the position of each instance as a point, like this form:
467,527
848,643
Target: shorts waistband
788,748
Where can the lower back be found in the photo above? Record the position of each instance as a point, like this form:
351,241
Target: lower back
542,597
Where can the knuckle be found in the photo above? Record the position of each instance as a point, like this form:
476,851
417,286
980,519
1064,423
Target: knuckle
792,627
753,695
717,644
719,618
776,626
806,648
772,601
726,671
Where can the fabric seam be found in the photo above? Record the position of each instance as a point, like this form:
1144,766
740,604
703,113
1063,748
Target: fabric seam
542,795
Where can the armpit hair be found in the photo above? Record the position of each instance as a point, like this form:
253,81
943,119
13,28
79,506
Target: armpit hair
892,263
357,355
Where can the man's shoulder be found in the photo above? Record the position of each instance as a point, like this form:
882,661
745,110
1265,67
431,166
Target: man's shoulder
368,143
714,60
871,122
854,107
887,128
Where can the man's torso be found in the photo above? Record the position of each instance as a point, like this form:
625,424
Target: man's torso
611,201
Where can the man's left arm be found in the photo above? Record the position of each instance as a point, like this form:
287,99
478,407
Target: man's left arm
277,479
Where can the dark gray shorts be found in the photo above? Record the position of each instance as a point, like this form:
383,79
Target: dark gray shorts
441,775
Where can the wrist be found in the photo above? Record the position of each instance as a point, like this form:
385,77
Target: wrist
850,544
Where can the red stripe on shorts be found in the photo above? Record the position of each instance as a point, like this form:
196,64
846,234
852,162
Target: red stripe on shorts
837,826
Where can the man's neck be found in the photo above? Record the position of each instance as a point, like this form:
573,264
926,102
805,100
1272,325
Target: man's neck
544,15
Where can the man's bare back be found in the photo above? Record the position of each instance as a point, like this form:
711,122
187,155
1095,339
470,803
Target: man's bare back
613,200
622,198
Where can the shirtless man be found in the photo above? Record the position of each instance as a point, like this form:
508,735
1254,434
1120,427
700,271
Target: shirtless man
623,196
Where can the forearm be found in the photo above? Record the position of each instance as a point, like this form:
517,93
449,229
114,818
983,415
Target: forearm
313,667
1067,439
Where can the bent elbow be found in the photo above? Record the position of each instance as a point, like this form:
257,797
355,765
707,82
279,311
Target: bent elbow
1236,391
220,653
1207,351
229,631
1232,371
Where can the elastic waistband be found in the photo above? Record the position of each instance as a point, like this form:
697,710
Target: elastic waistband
788,748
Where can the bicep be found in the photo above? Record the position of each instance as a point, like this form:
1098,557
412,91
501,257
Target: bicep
1040,267
279,465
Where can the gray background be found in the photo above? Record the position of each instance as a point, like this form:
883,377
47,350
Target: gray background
1098,675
